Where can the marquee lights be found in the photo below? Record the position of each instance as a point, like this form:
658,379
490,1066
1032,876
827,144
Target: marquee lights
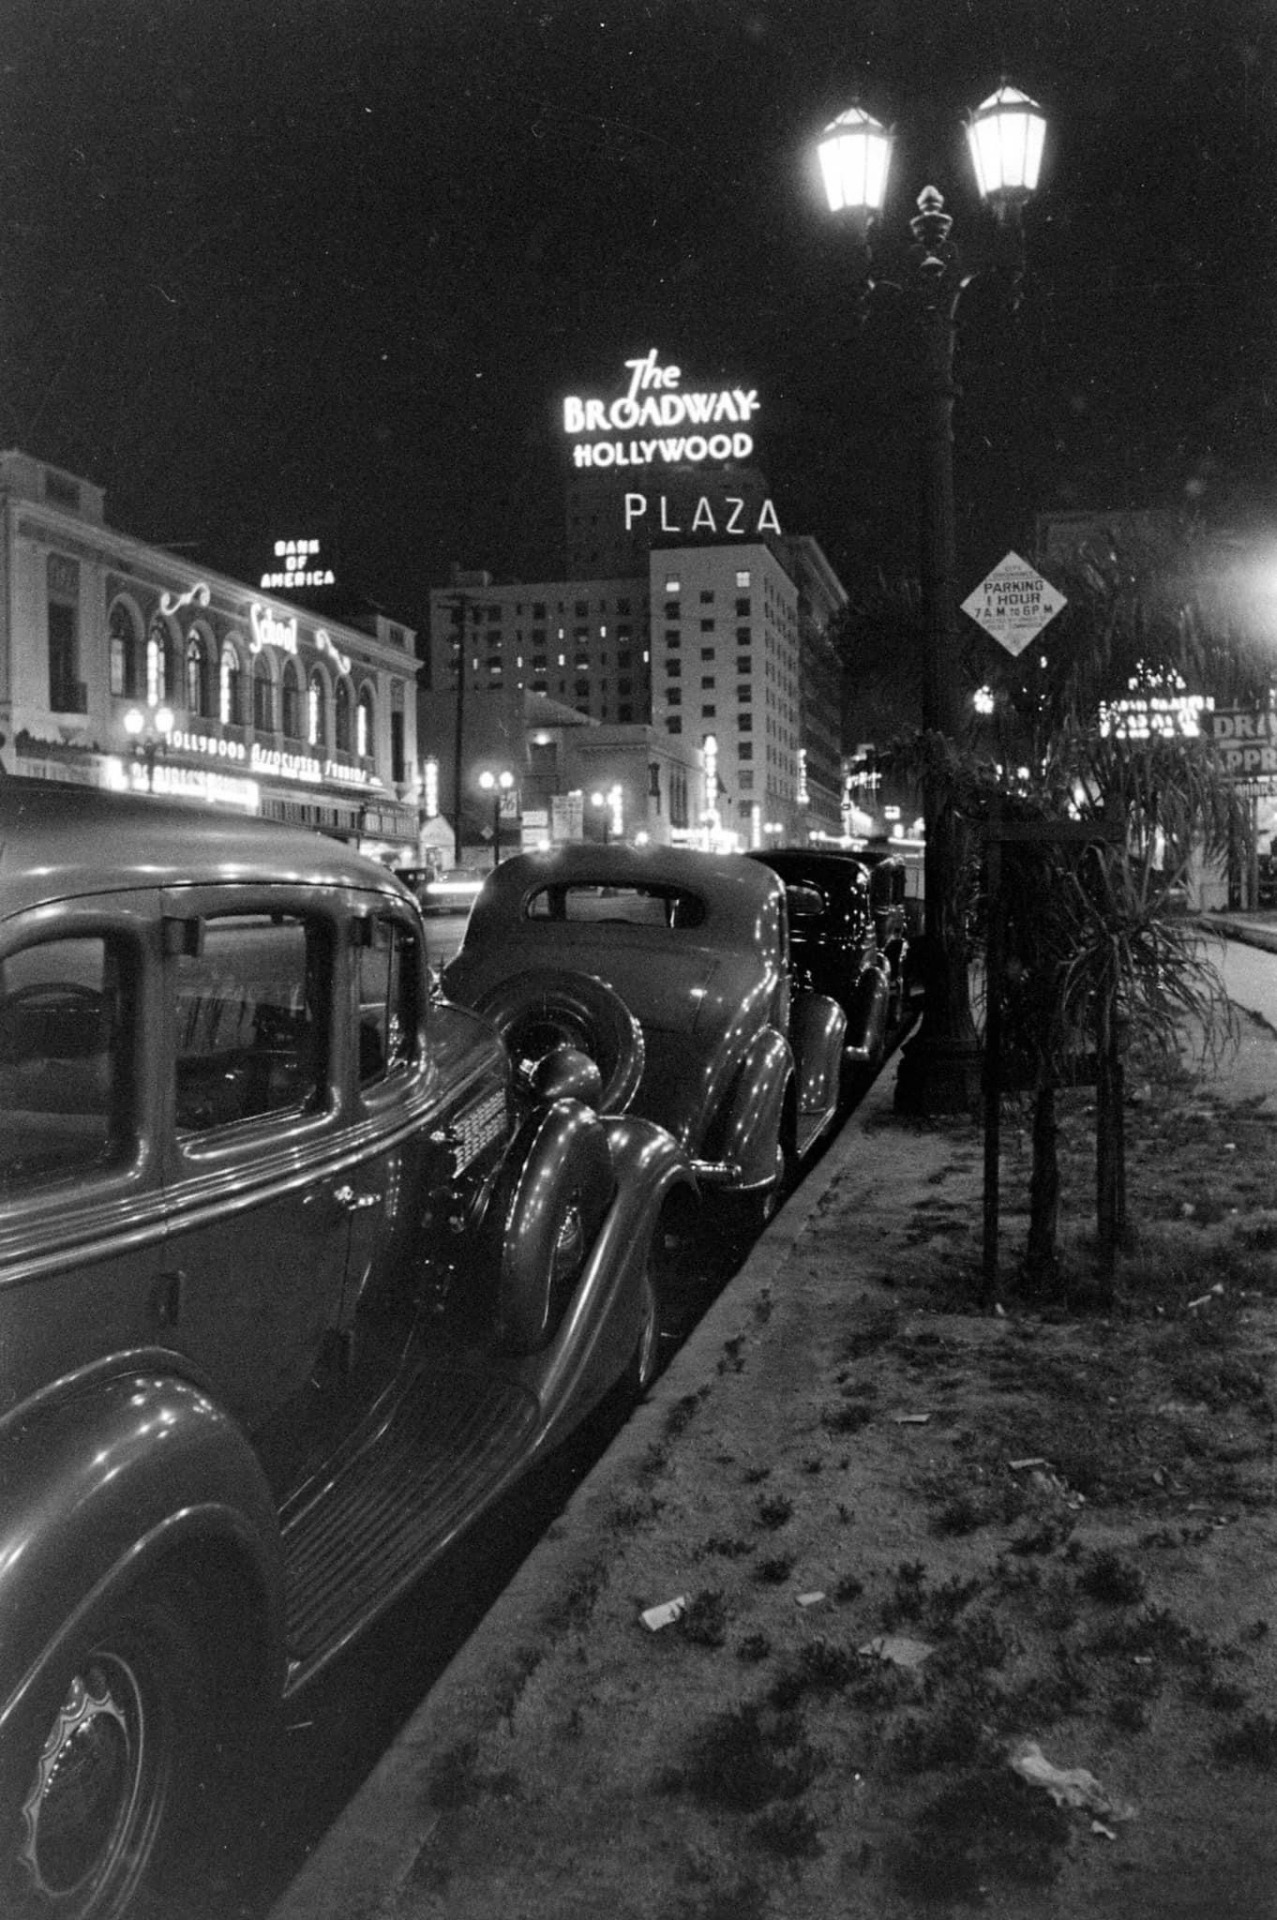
655,404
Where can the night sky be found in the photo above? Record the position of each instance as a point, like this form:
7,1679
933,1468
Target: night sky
326,266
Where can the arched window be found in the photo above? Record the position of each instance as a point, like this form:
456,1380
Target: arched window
198,687
291,703
230,703
263,696
158,665
341,717
317,711
363,724
122,651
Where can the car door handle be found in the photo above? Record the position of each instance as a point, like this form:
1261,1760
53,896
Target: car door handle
353,1202
166,1298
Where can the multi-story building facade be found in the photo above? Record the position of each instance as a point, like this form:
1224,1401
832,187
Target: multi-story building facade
714,643
122,665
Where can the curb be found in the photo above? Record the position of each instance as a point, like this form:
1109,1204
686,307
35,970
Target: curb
367,1856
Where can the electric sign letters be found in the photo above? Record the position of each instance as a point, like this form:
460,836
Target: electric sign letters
654,405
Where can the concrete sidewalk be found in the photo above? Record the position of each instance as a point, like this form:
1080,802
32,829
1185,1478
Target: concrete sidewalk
368,1862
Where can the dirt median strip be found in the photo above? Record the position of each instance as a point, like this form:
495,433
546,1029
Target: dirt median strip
933,1563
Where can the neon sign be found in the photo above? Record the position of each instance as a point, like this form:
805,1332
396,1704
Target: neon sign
300,567
198,596
324,641
269,630
655,403
731,509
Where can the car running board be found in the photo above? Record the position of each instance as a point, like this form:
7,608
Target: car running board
451,1441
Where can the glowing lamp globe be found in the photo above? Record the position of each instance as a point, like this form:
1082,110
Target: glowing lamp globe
855,150
1006,135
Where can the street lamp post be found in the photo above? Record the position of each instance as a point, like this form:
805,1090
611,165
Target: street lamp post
149,733
498,785
609,805
940,1066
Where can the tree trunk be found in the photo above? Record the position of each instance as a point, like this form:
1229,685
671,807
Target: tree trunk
1041,1259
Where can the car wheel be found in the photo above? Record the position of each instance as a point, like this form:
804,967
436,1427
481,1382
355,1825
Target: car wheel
545,1008
99,1789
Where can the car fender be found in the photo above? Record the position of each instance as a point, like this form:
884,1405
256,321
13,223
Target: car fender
870,1015
109,1476
559,1154
817,1029
747,1135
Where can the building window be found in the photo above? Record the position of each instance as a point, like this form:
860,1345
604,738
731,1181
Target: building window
122,652
341,717
674,724
317,711
707,626
744,693
709,713
745,722
744,636
291,703
707,596
674,668
742,577
674,695
230,690
745,750
157,664
707,682
624,714
671,610
673,637
66,694
538,612
263,697
363,724
743,663
708,653
742,609
673,586
198,689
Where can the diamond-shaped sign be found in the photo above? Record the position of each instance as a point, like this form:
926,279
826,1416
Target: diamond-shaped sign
1013,603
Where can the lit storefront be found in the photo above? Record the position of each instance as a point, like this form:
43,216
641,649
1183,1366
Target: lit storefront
122,666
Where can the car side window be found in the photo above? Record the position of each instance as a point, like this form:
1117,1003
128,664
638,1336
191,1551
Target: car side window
66,1041
250,1021
387,974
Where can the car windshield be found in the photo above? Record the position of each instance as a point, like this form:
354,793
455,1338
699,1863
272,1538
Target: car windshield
638,906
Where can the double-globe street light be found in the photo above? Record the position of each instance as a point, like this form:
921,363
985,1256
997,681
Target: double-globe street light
939,1068
498,785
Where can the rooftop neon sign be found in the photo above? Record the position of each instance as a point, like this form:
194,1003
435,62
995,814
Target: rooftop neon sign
655,406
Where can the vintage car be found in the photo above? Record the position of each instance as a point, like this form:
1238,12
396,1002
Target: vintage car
854,945
295,1279
740,1062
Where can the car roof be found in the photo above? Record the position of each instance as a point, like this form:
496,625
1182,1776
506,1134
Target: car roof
732,887
58,841
795,860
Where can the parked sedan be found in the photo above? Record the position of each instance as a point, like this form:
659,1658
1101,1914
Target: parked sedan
852,942
295,1279
672,969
